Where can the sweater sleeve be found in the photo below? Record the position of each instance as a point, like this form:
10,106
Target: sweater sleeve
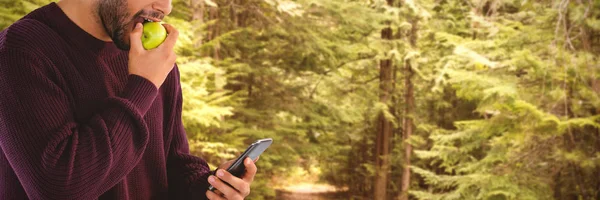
187,174
55,156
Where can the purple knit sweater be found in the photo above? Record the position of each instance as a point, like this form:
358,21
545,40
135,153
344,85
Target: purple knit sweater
75,125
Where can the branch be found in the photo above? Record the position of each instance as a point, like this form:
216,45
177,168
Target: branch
561,7
335,68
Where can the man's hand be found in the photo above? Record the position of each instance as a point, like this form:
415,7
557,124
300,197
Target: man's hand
240,186
154,64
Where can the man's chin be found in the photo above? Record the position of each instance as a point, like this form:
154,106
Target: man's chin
122,44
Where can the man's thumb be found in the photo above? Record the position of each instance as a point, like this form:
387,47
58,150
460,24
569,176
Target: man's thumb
135,38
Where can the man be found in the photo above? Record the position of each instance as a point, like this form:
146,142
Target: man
87,113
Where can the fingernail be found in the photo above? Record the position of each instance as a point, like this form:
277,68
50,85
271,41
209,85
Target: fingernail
138,25
248,160
211,179
220,173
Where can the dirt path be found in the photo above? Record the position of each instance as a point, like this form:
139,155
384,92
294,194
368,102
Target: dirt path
310,192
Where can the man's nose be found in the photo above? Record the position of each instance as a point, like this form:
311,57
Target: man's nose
163,5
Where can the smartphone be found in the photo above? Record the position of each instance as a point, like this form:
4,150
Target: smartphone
237,168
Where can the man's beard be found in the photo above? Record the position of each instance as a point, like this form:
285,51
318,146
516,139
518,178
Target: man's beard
115,19
113,16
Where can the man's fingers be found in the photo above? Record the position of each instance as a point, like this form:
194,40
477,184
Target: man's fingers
213,196
172,36
227,191
135,38
250,170
218,192
238,184
238,188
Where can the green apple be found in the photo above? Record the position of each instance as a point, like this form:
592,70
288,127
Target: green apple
153,35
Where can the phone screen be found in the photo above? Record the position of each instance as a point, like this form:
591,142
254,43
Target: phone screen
237,168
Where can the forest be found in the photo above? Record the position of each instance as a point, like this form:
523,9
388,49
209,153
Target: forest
394,99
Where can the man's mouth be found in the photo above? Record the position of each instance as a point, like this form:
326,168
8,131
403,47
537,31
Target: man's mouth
151,19
144,19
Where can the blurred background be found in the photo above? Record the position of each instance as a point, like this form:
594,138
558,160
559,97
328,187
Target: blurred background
393,99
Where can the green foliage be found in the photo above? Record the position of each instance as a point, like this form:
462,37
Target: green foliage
526,138
506,92
12,10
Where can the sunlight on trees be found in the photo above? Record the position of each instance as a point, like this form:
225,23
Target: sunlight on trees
488,99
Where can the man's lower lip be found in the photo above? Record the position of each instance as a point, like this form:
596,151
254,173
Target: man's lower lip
151,19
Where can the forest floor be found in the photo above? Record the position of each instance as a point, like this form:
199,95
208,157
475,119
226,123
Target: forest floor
310,191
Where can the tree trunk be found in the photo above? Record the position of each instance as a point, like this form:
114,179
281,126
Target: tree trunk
384,129
215,13
213,30
197,10
557,185
197,17
408,114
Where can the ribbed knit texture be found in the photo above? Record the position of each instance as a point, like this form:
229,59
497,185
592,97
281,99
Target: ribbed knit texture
75,125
